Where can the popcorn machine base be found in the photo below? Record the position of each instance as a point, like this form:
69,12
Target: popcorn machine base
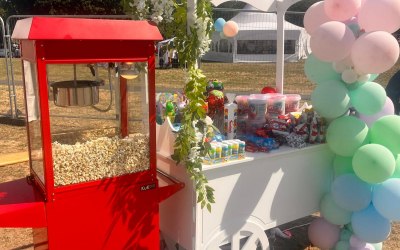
114,213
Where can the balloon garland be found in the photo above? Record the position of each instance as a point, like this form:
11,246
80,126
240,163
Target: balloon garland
351,44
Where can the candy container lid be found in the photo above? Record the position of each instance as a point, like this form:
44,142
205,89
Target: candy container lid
293,97
258,96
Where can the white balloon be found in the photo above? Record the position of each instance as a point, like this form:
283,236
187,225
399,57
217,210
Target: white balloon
363,78
349,76
339,67
342,65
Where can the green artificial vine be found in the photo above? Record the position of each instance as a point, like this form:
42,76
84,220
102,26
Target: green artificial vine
192,142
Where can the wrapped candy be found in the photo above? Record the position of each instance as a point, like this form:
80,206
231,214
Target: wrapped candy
280,126
313,130
295,141
302,130
242,114
321,130
214,84
171,105
170,111
215,102
261,144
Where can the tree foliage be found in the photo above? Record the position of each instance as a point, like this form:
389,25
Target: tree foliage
80,7
16,7
302,5
60,7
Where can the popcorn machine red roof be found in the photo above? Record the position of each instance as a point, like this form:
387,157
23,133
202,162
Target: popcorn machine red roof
93,182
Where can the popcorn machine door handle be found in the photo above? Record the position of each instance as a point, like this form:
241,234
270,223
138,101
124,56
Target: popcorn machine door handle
167,185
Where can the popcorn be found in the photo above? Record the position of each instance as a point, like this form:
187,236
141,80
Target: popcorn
100,158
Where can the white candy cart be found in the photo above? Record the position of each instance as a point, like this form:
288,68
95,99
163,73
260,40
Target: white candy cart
263,191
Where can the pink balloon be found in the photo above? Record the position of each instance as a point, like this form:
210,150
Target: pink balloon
230,29
323,234
332,41
315,16
357,242
374,52
388,109
368,246
382,15
341,10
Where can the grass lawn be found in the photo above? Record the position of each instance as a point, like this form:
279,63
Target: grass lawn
237,77
251,78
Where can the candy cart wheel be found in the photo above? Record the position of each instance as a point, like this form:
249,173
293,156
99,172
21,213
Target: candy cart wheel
256,239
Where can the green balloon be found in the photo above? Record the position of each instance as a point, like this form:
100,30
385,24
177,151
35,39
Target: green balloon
331,99
373,77
318,71
342,165
378,246
354,86
368,98
386,131
349,227
357,84
373,163
346,134
342,245
334,213
396,173
345,234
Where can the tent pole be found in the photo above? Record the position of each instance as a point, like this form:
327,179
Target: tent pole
281,7
280,51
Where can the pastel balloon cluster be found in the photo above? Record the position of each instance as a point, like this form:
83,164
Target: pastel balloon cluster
226,29
351,44
354,37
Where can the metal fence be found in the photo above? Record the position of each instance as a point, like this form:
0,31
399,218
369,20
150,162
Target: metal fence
7,74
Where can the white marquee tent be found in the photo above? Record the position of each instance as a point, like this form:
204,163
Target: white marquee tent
257,40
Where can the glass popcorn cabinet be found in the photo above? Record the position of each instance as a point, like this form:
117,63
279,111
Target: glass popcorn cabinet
89,91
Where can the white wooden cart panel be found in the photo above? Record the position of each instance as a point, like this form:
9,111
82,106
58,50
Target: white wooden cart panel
263,191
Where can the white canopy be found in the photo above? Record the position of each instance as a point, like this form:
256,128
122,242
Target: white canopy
257,40
264,5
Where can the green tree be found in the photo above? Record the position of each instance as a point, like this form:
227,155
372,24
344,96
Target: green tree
80,7
16,7
303,5
294,14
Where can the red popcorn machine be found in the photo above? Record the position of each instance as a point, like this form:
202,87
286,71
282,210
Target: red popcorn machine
90,112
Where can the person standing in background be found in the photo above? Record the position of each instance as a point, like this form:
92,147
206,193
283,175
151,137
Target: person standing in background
161,59
170,53
393,91
166,59
175,58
